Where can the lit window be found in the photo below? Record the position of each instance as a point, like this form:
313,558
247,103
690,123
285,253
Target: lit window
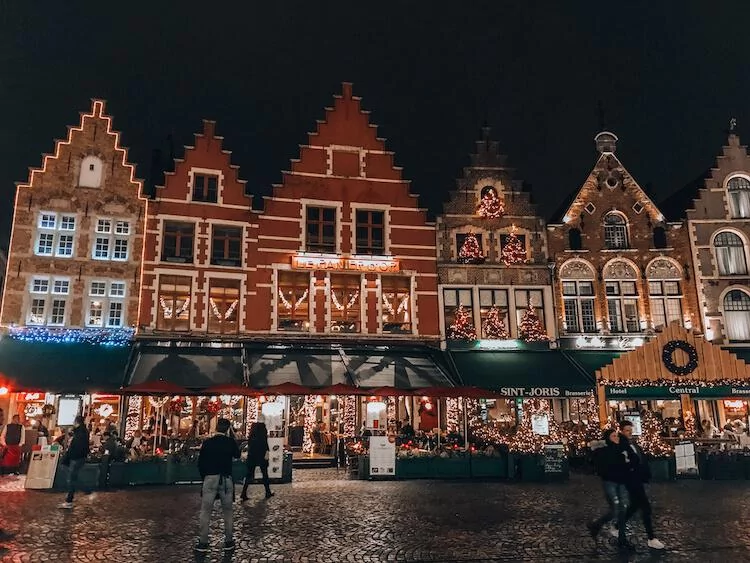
293,299
497,298
396,307
96,314
665,298
739,197
453,299
579,306
344,303
223,303
730,254
174,303
36,312
615,231
737,316
55,243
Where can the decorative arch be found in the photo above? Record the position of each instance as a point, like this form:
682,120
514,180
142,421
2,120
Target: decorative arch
577,269
620,269
738,195
92,170
735,307
663,268
616,227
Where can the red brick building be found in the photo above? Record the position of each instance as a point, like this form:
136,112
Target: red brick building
344,249
197,256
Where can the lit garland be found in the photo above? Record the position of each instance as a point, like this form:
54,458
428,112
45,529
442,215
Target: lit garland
391,412
100,337
168,310
531,327
470,251
297,303
349,305
307,443
251,410
651,440
513,251
217,313
524,441
689,423
494,327
582,433
462,327
452,415
133,418
158,402
350,416
490,205
662,382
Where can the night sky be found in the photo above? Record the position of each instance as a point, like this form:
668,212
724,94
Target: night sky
668,75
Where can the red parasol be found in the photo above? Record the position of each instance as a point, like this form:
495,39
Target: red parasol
388,392
287,389
456,392
342,389
231,389
158,387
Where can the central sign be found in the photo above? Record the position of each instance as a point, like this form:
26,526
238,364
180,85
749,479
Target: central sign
337,263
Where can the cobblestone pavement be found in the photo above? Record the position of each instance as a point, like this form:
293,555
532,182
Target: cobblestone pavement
325,518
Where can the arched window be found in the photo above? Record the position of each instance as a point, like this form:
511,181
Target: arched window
615,231
730,254
91,172
579,300
660,237
574,239
739,197
664,292
737,316
621,287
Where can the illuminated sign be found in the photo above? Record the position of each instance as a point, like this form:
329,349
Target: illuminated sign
333,262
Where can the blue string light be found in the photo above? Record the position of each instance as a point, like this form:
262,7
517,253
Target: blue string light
99,337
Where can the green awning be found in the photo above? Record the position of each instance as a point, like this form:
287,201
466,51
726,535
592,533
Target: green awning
548,373
62,367
592,360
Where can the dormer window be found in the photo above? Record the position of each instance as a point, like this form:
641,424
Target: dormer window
91,172
206,188
615,231
739,197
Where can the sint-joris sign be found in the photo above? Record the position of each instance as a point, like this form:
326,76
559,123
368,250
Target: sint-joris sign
337,263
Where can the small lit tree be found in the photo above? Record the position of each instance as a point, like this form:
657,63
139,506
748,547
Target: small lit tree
494,327
513,251
524,441
531,327
651,440
470,251
490,205
462,327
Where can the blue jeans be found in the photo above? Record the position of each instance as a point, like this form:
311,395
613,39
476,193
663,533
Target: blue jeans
74,469
616,496
216,486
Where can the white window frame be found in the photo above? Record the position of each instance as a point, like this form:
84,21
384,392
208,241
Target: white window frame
54,232
109,233
106,299
578,298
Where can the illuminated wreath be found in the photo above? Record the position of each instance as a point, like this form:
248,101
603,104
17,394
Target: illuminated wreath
689,349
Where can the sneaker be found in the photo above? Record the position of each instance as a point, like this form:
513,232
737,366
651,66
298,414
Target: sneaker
593,529
201,547
229,545
65,505
653,543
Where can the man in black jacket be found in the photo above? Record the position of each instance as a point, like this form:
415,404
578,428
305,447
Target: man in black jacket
215,466
637,475
612,467
75,457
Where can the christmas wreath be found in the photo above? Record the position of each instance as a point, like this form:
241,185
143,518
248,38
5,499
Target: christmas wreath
689,349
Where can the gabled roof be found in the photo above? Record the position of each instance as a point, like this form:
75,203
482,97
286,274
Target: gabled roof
675,206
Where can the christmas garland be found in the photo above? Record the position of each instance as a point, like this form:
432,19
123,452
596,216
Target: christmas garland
168,310
661,382
667,357
339,306
297,303
217,313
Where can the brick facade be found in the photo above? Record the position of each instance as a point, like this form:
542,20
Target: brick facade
77,235
343,247
478,286
608,244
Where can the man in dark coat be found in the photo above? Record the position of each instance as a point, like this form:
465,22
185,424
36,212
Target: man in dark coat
12,439
75,457
637,475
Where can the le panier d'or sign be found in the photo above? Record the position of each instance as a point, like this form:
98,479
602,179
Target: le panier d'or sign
337,263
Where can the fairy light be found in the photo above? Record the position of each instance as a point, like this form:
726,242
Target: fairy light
307,443
133,418
349,305
100,337
350,416
452,415
168,310
391,412
297,303
217,313
650,439
524,441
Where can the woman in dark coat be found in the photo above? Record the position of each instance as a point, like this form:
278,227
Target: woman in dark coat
257,456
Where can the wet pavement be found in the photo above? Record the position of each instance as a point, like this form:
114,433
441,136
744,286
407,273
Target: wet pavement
323,517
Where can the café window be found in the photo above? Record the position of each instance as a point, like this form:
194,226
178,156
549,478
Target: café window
370,232
321,229
178,242
223,306
396,307
580,306
174,303
205,188
226,246
344,303
293,301
526,296
453,298
497,298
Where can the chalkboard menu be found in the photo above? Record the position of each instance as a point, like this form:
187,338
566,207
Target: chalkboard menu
554,459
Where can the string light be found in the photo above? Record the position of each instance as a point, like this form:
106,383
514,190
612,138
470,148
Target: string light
349,305
651,440
462,327
350,416
531,327
513,251
494,326
100,337
451,415
490,205
133,418
525,441
470,251
297,303
217,313
168,310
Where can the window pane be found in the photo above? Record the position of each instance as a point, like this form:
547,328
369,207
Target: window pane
674,310
117,289
571,315
654,288
122,228
464,297
101,248
628,288
98,288
344,303
47,221
612,288
588,317
115,314
569,288
68,223
39,285
121,249
224,301
672,288
58,312
61,287
174,303
104,226
450,298
396,306
585,288
45,244
96,318
36,314
292,305
658,314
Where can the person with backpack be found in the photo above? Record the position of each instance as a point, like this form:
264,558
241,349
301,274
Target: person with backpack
612,467
215,466
74,458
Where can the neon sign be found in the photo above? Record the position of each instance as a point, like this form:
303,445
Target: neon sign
333,262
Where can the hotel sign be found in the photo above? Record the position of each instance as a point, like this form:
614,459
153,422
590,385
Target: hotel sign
336,263
674,391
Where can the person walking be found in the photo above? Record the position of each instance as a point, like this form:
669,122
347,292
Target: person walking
12,437
74,458
215,467
637,475
612,467
257,456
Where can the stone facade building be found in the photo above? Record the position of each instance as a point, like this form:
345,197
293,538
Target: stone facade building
622,270
718,220
77,235
492,248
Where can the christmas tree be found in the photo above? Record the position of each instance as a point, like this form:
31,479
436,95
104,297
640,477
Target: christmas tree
494,327
490,205
651,440
587,429
470,252
524,440
513,252
462,327
531,327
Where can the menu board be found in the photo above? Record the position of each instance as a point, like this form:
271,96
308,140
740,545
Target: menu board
275,459
382,456
684,453
42,467
540,424
554,459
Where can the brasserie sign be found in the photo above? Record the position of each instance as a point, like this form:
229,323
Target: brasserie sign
542,392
